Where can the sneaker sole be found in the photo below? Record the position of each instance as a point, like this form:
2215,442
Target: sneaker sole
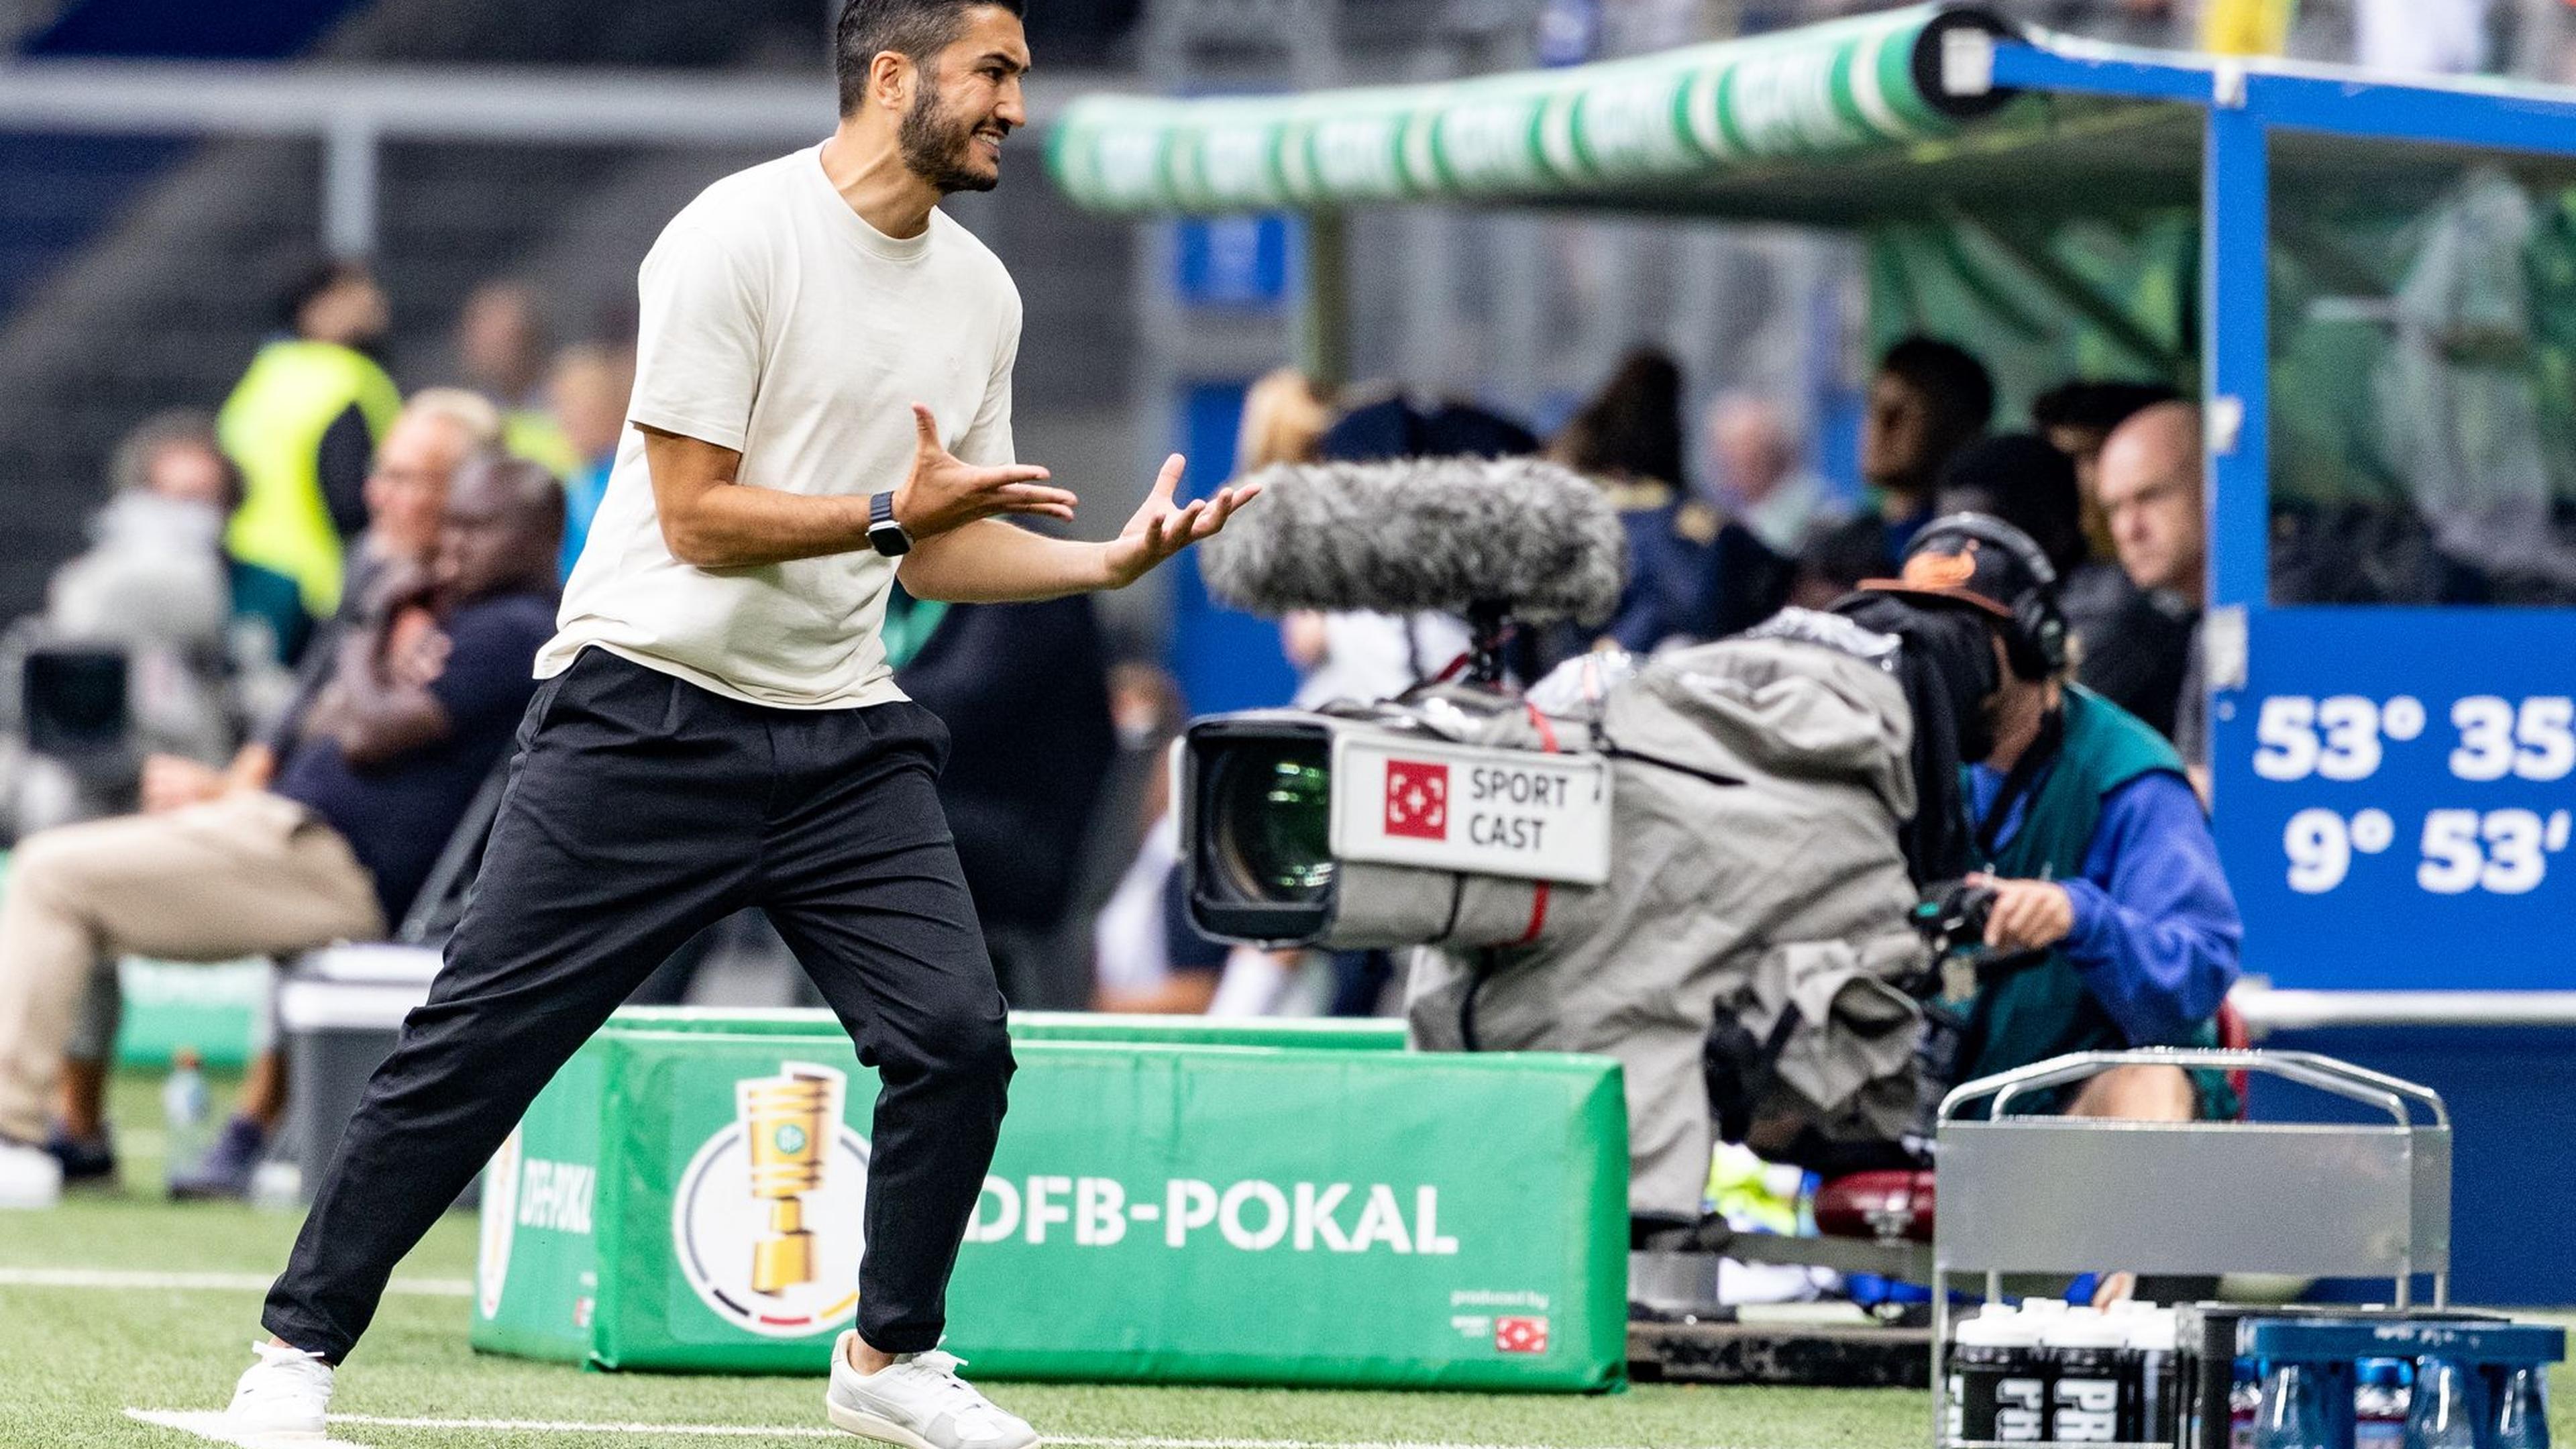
869,1426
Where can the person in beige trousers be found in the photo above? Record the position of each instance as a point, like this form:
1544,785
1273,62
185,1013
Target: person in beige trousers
416,715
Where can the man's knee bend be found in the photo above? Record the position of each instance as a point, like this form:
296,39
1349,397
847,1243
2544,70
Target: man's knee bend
973,1051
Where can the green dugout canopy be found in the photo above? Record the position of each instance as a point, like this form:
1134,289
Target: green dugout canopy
1881,118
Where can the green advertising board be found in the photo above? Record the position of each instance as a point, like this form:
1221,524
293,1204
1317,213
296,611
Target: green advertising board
1357,1033
1157,1212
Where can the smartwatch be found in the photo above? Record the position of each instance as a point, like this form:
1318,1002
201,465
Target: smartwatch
884,534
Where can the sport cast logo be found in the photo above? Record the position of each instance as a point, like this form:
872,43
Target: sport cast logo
1417,799
739,1218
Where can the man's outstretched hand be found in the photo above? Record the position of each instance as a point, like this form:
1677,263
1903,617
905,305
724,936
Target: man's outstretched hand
943,493
1160,530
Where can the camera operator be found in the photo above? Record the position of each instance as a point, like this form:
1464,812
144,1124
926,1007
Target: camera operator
2111,924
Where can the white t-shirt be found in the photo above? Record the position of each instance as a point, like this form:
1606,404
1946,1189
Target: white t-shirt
776,322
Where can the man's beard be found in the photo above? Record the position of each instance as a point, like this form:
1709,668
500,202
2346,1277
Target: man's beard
934,145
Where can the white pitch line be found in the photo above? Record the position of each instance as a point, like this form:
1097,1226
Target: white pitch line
210,1426
146,1278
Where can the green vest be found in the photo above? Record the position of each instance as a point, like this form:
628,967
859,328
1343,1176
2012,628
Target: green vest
2044,1010
272,427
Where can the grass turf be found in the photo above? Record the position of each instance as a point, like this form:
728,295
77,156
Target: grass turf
74,1358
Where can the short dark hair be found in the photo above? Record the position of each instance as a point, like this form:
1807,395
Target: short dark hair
2020,479
315,279
1633,427
2097,406
1953,381
915,29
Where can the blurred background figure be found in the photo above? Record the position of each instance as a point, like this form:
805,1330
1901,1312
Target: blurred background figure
1146,956
588,393
1628,439
2151,492
1760,466
501,352
1693,572
154,640
1927,400
2439,37
1024,691
2077,418
175,460
2129,642
302,424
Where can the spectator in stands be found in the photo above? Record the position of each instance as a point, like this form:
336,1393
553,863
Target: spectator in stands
1928,400
588,393
2113,925
1692,573
175,457
2151,493
1628,439
1024,691
302,424
406,494
1146,956
2077,418
419,711
501,349
2129,644
1760,475
196,634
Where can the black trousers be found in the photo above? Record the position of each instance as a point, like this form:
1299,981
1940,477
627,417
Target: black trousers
639,810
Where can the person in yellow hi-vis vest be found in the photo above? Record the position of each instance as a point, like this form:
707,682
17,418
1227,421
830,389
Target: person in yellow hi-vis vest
2247,27
302,425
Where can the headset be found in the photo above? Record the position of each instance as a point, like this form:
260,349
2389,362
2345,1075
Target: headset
2037,643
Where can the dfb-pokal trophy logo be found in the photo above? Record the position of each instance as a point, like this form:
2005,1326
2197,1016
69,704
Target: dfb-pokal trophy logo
766,1221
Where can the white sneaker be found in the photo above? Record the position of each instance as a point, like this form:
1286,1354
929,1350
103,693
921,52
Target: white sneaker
283,1396
30,1177
918,1402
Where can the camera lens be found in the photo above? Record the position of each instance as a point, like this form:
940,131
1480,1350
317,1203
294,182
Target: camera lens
1273,820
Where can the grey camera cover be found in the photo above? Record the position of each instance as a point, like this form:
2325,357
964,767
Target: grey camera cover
1742,898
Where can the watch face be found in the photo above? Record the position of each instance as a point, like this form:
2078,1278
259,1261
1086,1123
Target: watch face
889,538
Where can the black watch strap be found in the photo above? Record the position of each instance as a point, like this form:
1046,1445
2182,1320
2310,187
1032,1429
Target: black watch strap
885,535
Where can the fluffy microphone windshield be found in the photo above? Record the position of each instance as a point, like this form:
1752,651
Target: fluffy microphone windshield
1428,533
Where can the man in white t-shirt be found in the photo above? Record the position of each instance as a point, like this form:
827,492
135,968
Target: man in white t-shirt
717,727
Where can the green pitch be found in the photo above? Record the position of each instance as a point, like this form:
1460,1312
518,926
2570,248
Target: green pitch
125,1302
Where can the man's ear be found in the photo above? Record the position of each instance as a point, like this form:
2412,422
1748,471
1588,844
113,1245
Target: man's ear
891,78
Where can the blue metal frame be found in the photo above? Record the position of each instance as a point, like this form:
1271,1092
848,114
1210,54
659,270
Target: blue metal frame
2246,101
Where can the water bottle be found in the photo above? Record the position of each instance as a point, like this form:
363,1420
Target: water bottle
2150,1403
1998,1385
2294,1413
185,1111
2379,1399
2522,1409
2440,1415
2087,1350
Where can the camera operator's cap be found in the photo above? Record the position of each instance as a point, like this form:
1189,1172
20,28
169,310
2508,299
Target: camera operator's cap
1972,559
